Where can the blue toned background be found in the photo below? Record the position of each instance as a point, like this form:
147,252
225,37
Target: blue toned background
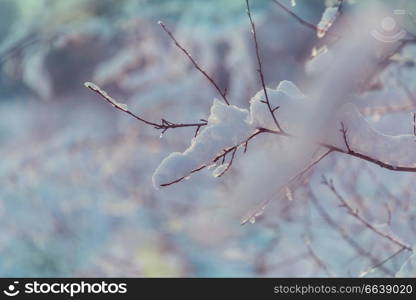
76,197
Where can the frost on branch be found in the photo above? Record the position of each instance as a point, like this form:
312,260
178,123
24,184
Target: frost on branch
104,94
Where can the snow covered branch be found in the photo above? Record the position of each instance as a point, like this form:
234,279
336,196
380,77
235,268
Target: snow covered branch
229,128
323,119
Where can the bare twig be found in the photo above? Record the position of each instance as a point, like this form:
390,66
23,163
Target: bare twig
230,163
383,262
388,214
333,224
355,213
414,123
295,16
410,95
383,63
164,125
344,132
27,41
260,69
223,94
261,261
340,6
317,259
299,175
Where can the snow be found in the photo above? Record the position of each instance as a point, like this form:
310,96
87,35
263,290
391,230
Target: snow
227,127
289,99
328,17
396,150
230,126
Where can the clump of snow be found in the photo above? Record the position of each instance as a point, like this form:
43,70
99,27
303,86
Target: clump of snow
327,19
227,126
364,139
230,126
287,97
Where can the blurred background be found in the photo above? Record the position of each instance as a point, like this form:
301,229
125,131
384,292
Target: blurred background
76,196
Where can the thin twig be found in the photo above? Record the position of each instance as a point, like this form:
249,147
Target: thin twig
333,224
355,213
344,132
383,262
317,259
27,41
223,94
353,153
295,16
340,6
414,123
164,125
260,69
230,163
264,204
